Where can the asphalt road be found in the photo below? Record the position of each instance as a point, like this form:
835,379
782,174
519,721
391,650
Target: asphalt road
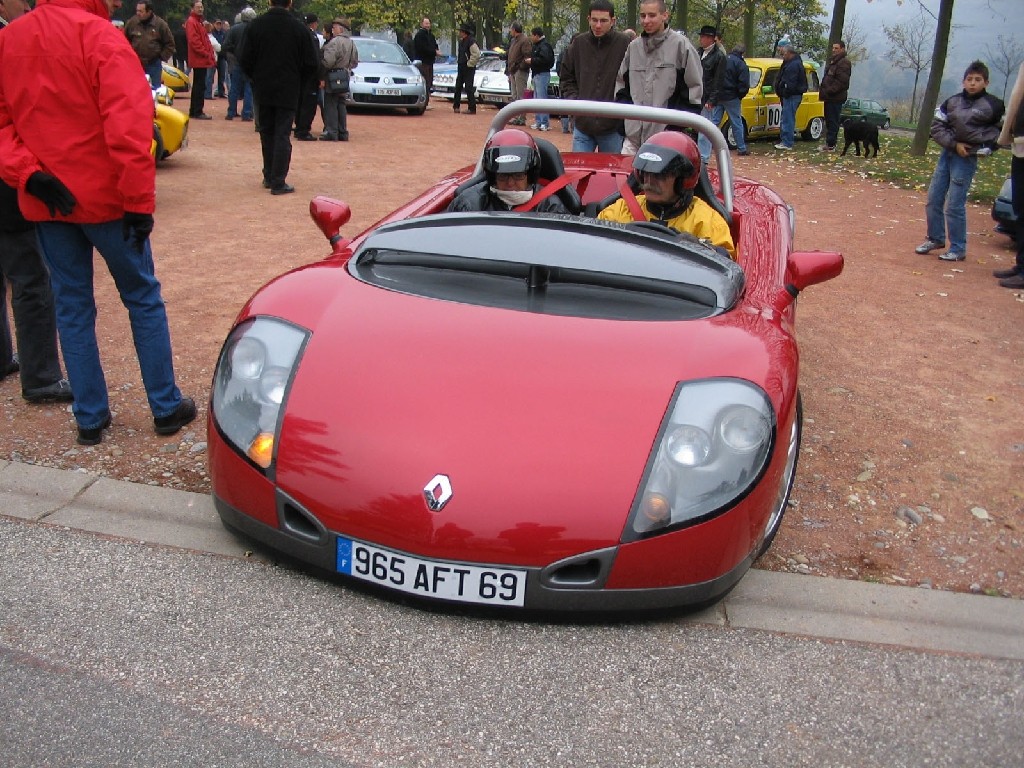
118,652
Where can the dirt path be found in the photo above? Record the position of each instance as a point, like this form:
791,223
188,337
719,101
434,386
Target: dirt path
911,372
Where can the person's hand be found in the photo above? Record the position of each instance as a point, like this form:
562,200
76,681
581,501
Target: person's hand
136,227
962,149
52,192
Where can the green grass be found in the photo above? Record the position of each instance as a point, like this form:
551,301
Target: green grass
895,165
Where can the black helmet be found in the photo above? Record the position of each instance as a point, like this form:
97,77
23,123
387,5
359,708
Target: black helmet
511,151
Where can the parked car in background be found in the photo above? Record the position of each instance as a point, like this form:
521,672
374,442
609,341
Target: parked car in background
866,110
386,77
495,88
444,76
1002,211
762,110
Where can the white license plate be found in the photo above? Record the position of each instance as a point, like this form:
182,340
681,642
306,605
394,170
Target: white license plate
431,578
387,91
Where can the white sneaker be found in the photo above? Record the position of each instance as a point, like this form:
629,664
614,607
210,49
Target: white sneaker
543,128
782,146
534,126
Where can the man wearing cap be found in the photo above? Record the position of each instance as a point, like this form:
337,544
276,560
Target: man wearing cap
713,73
339,53
310,95
468,58
835,87
790,85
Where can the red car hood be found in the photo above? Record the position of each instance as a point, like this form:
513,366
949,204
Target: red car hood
543,424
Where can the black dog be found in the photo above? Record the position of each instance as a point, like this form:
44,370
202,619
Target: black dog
857,131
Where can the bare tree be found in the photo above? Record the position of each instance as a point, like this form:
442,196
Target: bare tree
855,37
1005,59
909,50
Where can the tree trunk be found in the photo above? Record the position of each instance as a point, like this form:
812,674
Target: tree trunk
682,14
835,34
931,93
913,98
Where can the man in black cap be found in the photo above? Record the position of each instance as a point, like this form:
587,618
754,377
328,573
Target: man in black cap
712,61
469,57
310,96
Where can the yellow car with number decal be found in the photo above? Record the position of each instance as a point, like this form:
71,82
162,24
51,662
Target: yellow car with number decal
762,110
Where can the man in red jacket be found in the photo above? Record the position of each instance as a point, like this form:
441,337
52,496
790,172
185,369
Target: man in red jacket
76,123
200,57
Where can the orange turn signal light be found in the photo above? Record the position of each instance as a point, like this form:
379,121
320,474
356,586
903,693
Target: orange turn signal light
261,450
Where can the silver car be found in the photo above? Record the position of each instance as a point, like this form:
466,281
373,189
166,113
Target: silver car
386,78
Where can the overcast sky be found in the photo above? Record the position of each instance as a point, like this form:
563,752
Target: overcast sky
976,23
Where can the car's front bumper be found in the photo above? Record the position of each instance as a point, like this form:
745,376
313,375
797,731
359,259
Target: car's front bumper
302,537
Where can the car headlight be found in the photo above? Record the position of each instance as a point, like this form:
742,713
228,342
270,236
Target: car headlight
357,78
712,448
415,80
251,382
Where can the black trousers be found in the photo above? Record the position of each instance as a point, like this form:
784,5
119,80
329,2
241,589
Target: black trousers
832,114
21,265
466,78
198,99
275,139
308,102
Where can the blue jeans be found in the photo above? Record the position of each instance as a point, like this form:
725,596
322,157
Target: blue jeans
68,250
239,87
703,142
154,71
950,184
540,91
787,128
732,109
605,142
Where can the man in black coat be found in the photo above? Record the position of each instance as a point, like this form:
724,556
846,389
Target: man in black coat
278,57
424,46
834,88
712,60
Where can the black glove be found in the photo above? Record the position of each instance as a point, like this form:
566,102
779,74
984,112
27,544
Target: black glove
51,191
137,227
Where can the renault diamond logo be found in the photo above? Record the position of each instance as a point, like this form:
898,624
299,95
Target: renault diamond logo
438,492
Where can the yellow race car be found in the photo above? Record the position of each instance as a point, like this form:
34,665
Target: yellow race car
174,78
762,110
170,127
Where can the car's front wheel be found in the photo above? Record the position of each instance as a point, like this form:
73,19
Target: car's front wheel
788,475
157,149
886,125
417,110
730,139
814,129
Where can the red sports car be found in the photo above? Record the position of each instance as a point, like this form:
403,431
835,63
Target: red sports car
535,411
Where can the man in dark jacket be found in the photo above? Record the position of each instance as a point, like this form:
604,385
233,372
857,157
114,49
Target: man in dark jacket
239,86
151,39
278,57
22,266
712,61
309,98
735,86
790,85
541,60
424,46
835,87
588,70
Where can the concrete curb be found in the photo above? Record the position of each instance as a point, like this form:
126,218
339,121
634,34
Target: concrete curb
779,602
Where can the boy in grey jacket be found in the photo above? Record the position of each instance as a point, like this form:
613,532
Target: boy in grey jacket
966,126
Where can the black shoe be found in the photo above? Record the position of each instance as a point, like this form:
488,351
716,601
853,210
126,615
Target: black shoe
246,119
203,116
266,183
58,392
229,117
1002,274
1016,282
343,138
473,112
93,436
743,152
456,109
183,414
328,137
283,190
305,137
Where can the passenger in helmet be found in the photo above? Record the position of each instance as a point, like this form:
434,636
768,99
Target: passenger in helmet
668,168
512,165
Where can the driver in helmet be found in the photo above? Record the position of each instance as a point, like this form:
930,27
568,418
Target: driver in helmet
512,165
668,167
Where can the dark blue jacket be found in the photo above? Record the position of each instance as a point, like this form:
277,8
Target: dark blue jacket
792,79
737,78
